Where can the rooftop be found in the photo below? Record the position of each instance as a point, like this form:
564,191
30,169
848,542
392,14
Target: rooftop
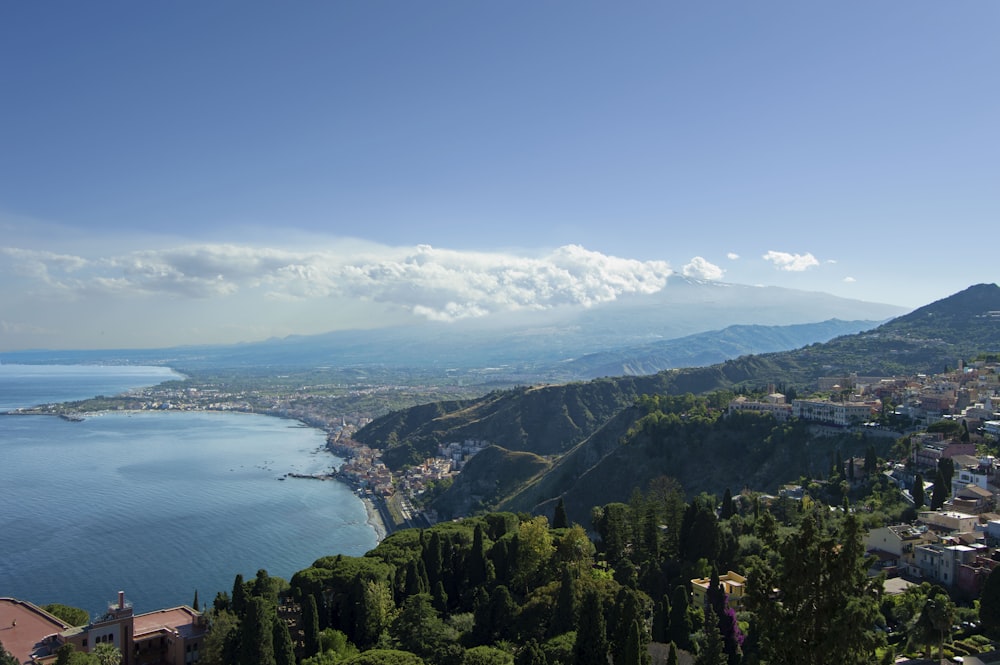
182,620
24,628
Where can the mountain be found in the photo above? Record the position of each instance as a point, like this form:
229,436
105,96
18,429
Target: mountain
582,424
627,335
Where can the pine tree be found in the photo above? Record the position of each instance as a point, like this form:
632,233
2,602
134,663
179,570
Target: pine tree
591,645
827,606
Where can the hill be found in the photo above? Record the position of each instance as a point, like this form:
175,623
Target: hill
585,423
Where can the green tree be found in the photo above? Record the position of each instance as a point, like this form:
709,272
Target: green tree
712,651
284,648
559,519
826,607
591,645
419,629
679,628
534,550
73,616
935,621
220,644
636,647
384,657
531,654
565,617
107,654
989,605
6,657
239,596
940,492
257,633
918,490
310,626
727,505
486,655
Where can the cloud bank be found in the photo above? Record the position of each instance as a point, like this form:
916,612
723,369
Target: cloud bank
791,262
433,283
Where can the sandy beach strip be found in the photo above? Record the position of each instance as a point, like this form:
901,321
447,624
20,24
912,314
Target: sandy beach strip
375,519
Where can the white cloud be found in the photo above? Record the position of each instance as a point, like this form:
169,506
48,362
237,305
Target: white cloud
733,256
699,268
850,280
433,283
791,262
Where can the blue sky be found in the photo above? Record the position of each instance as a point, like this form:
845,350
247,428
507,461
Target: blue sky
185,172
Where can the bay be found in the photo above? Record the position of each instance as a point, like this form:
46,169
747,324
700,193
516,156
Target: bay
159,504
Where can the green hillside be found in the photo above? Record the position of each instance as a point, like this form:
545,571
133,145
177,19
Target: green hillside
602,444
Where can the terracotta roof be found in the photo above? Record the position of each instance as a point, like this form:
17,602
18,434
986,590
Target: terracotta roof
182,620
24,628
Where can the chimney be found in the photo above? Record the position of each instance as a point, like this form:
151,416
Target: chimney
121,600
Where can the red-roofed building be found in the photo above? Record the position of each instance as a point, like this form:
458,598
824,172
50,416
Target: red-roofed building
164,637
27,631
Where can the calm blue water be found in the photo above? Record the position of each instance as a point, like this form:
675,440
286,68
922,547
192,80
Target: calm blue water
157,504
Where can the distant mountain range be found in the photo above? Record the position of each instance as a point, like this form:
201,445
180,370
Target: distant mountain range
633,335
570,431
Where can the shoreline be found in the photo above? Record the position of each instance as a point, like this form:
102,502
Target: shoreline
375,519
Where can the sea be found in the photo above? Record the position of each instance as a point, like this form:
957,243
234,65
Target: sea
157,504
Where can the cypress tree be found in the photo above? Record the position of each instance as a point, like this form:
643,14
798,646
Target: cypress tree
711,651
672,656
239,601
432,559
591,645
476,568
565,616
727,505
918,491
626,613
310,626
257,643
194,603
661,620
559,519
679,631
940,492
635,649
284,650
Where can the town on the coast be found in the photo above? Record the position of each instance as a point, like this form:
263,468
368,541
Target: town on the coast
942,423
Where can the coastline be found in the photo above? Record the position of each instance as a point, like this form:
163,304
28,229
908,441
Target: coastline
375,519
